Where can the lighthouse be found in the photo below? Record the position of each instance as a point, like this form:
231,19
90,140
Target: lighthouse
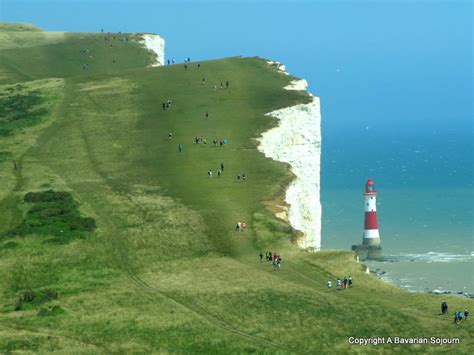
371,227
370,248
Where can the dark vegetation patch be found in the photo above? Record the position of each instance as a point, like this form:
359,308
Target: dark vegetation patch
21,344
20,110
270,230
5,156
9,245
54,213
32,299
50,311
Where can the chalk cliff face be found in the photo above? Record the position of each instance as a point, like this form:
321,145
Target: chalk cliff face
297,141
156,44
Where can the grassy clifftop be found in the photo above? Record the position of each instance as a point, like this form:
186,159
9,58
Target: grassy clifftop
165,271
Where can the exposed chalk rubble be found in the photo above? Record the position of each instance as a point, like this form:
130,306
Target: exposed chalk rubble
155,44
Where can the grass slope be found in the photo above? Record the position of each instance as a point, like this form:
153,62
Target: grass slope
165,271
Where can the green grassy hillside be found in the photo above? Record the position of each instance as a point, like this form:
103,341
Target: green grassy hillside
162,269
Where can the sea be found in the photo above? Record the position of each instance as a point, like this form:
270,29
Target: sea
395,83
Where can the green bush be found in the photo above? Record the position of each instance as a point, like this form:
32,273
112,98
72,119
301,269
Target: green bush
54,213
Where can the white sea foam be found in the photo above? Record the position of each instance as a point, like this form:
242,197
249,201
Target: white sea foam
156,44
297,141
431,257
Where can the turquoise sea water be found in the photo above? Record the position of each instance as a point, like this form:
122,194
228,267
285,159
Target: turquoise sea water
395,82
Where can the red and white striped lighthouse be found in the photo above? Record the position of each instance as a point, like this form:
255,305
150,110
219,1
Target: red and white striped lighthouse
371,228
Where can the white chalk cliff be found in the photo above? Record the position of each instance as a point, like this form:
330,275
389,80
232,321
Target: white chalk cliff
297,141
155,44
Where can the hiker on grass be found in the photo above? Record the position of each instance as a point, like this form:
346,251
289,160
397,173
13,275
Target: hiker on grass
170,135
207,114
238,226
180,148
203,80
215,142
219,172
269,256
444,307
345,282
199,65
243,176
221,143
209,173
261,256
329,284
222,166
226,84
238,177
185,67
338,284
164,106
466,314
350,281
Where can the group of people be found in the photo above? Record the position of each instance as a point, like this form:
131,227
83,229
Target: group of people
275,259
241,226
459,316
166,104
219,171
341,284
201,139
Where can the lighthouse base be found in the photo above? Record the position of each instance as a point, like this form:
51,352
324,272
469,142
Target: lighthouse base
368,252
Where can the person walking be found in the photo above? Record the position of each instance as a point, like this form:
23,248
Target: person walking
261,256
219,172
207,114
209,173
345,282
338,284
226,84
466,314
215,142
350,281
170,135
203,80
238,177
329,284
243,176
222,166
164,106
180,148
444,307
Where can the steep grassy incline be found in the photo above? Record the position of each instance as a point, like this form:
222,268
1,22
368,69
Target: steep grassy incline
165,271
